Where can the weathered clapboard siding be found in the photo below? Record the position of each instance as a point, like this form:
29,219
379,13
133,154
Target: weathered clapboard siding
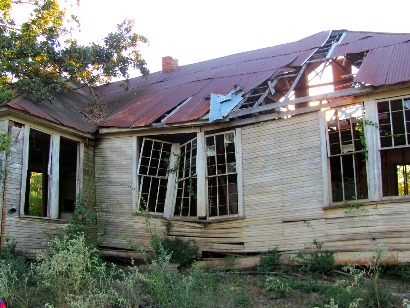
113,173
282,184
29,233
283,198
113,176
88,185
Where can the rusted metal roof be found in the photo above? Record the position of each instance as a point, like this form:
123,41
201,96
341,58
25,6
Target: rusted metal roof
161,93
67,109
183,95
387,60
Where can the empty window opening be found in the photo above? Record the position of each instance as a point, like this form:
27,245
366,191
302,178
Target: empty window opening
68,176
346,153
403,179
222,174
185,204
152,173
395,166
37,174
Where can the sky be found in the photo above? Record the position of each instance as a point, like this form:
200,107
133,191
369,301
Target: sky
195,31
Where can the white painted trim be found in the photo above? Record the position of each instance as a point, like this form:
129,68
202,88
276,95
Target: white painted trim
80,169
202,187
326,185
3,159
171,184
54,177
239,170
135,179
24,167
374,177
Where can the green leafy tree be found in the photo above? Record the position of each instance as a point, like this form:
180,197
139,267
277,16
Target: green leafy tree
40,56
36,194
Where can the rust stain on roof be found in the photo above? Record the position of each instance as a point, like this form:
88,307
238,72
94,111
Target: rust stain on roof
183,95
66,109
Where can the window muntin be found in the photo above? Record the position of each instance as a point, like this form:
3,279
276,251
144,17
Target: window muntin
185,203
347,156
222,176
394,122
152,173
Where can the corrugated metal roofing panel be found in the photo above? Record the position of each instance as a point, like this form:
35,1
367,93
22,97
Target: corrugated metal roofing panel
363,41
386,65
67,109
399,69
149,99
166,95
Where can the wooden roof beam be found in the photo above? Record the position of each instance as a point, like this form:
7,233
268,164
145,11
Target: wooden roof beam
340,93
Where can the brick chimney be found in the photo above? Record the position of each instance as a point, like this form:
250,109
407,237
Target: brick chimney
169,64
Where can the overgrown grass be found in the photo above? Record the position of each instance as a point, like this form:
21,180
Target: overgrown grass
71,277
319,262
71,274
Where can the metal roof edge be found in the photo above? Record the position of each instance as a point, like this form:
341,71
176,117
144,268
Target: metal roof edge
10,112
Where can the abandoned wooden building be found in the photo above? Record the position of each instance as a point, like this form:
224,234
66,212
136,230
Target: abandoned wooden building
278,147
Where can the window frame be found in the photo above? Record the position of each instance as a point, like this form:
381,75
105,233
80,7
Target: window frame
192,178
201,178
238,164
392,147
138,174
374,149
353,153
53,167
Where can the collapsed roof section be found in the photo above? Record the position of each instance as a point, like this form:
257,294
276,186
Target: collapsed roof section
269,79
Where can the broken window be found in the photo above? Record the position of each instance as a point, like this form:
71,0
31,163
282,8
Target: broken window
169,172
222,175
185,204
41,190
346,153
394,126
152,173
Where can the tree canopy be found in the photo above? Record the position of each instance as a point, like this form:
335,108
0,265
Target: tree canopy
40,55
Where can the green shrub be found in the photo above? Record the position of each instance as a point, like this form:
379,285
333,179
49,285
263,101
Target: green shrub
278,286
85,221
180,251
318,262
269,261
72,277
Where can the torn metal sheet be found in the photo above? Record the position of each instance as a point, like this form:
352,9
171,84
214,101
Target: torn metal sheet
221,105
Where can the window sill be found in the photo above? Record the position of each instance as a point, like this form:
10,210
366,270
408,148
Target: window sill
384,200
192,219
208,220
45,219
